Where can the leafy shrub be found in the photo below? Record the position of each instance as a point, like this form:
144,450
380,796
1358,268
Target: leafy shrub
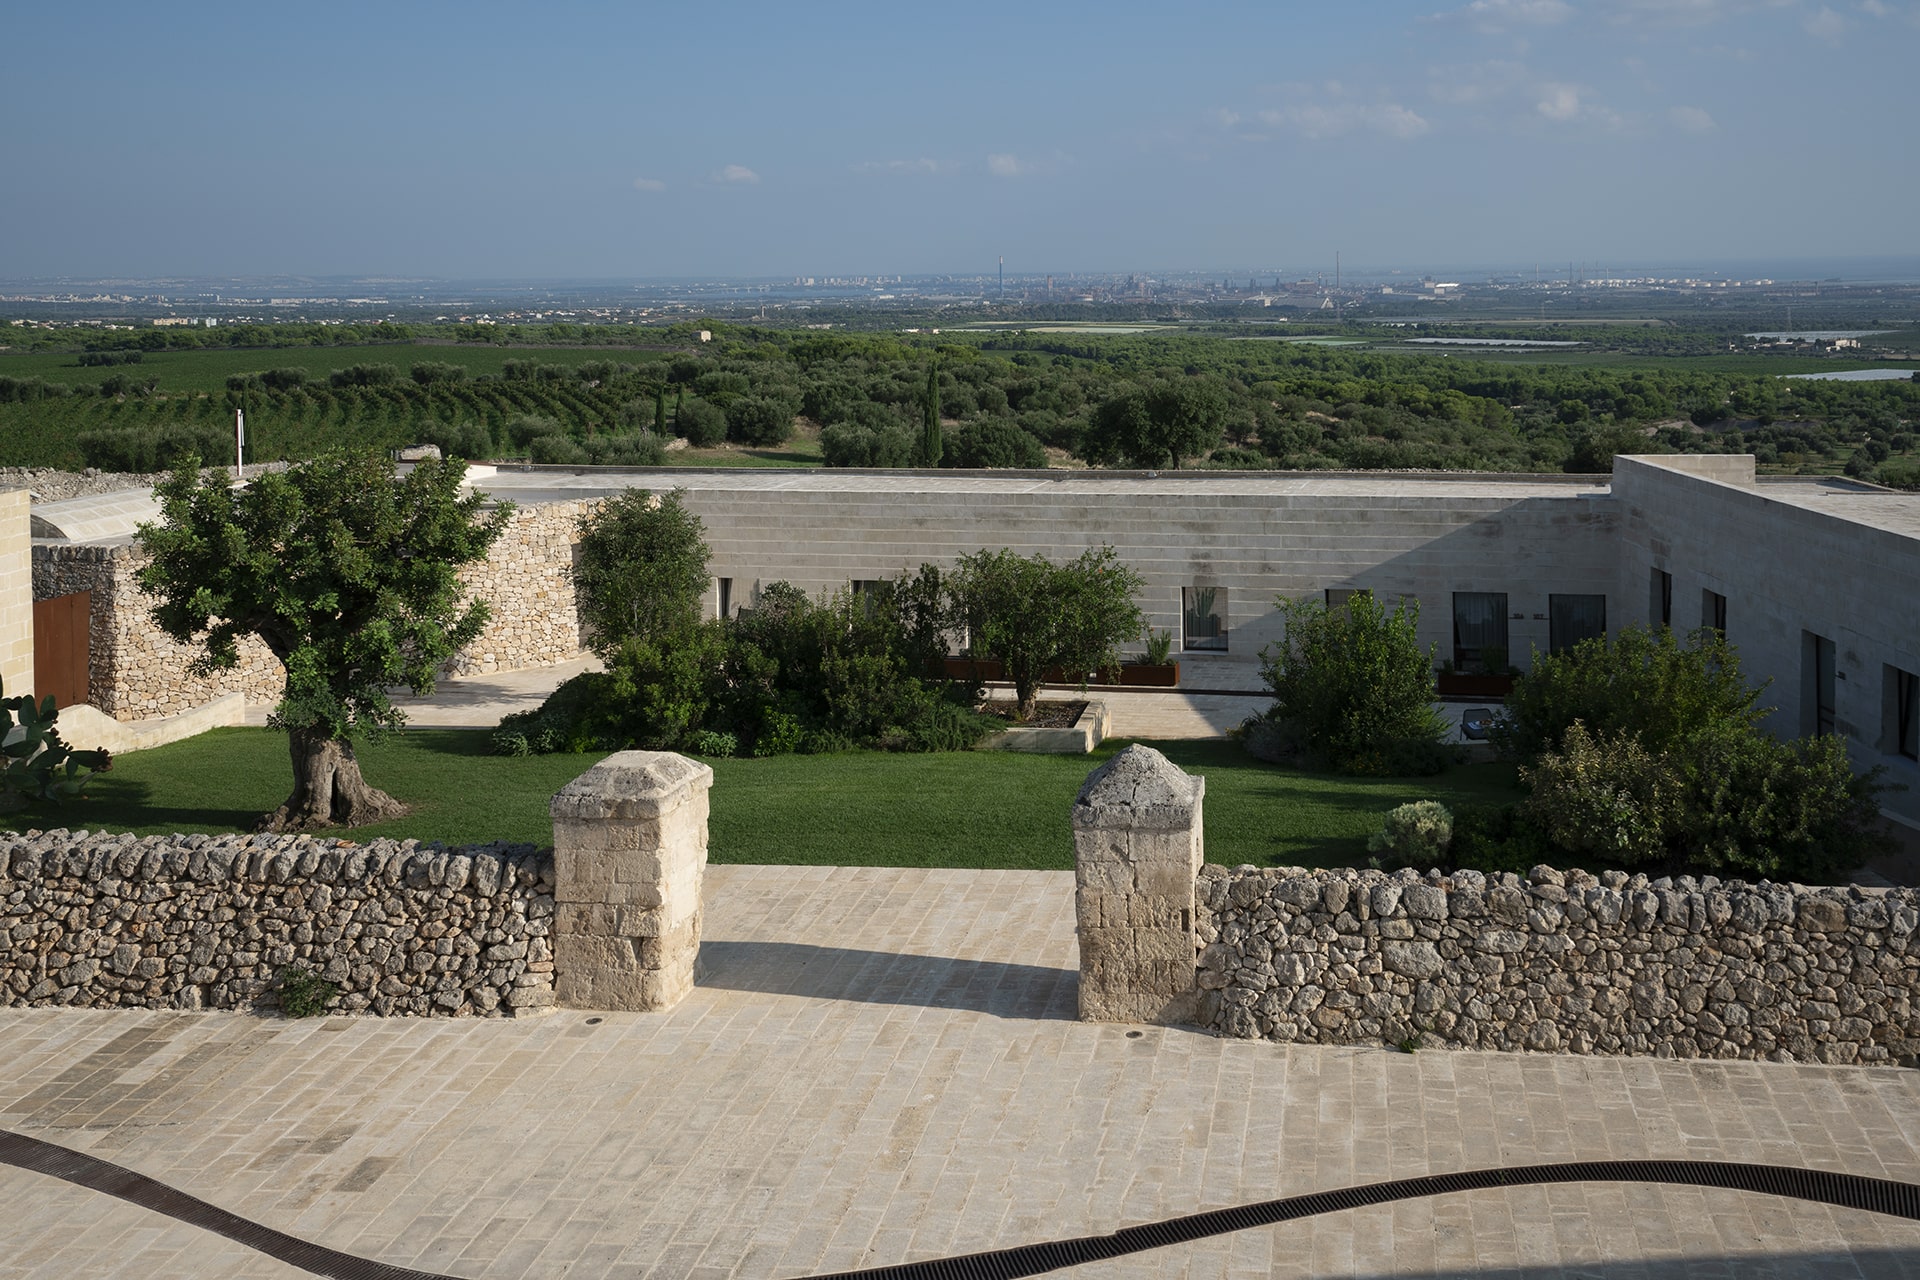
470,440
640,569
1647,684
848,444
1501,837
304,994
706,742
640,449
154,448
704,425
364,375
1604,797
758,420
1415,834
523,429
1783,810
1354,687
558,450
993,442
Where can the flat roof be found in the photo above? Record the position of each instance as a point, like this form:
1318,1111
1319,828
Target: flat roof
1886,509
553,484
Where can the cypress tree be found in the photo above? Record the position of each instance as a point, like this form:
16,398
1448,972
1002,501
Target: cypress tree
660,411
679,404
930,443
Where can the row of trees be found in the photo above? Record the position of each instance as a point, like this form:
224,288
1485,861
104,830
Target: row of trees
1144,401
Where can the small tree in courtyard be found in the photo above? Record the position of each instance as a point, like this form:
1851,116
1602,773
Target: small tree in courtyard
347,574
1353,688
1030,614
640,569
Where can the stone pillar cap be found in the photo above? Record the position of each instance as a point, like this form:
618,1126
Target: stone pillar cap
1139,788
630,785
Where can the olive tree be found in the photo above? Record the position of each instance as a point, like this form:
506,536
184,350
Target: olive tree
347,574
1030,614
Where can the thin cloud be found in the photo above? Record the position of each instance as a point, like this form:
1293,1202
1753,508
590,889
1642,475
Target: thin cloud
1558,102
1006,165
921,165
1480,82
649,184
1827,25
733,175
1497,17
1334,120
1692,120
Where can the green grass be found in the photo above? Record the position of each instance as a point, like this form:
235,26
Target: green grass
963,809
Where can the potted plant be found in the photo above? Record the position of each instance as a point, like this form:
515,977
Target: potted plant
1155,668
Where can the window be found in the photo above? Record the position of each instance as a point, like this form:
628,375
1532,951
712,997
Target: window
1337,596
1571,619
1816,683
1203,617
1903,713
864,590
1660,599
1713,611
1480,629
723,597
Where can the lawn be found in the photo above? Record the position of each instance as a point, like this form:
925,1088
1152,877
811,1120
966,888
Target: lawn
963,809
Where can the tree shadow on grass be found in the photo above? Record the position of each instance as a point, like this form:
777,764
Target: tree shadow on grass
882,977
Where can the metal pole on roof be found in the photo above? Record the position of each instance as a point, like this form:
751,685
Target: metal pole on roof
240,441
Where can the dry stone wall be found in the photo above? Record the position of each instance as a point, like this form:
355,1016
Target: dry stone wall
134,671
1561,961
526,578
200,921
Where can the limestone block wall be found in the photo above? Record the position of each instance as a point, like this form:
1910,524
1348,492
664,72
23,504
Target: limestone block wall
1561,961
193,922
526,579
1792,560
1256,538
16,592
134,671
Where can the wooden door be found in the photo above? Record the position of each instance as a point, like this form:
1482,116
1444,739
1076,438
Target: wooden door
62,629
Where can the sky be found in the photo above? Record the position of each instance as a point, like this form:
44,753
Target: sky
478,141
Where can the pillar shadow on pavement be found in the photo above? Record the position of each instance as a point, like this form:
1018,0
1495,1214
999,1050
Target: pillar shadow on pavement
993,987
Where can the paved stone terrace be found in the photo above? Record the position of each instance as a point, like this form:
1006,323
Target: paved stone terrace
881,1066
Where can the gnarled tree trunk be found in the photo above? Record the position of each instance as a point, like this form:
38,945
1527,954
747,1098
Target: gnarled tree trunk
328,790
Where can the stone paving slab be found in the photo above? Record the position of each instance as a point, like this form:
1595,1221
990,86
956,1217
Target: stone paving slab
881,1065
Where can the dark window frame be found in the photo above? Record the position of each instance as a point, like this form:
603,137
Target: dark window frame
1559,621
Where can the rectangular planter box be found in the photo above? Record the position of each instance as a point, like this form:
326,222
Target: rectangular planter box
1088,732
1146,675
1458,684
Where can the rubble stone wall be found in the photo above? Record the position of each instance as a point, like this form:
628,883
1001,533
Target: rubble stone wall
136,673
1561,961
213,922
526,578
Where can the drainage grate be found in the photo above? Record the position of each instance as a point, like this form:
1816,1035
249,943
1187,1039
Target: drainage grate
1876,1195
1844,1189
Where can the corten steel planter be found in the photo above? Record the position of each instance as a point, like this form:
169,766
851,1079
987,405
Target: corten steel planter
1459,684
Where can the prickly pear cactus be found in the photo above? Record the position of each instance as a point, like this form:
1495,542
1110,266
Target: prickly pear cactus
35,762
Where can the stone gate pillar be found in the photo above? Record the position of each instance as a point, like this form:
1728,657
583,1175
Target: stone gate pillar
1136,853
629,859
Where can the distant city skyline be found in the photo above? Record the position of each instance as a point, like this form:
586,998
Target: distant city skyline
610,142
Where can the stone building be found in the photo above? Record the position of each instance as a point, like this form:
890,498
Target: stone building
1816,580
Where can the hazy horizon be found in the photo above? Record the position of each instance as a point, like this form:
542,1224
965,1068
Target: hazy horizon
605,143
